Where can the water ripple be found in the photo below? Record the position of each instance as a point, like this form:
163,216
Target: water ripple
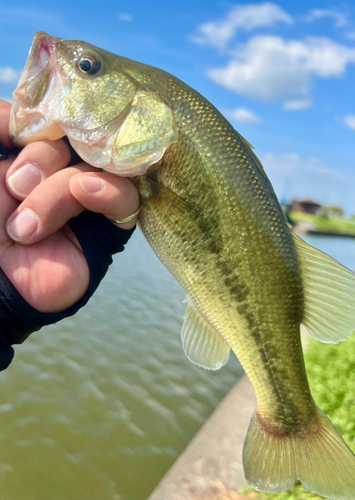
106,399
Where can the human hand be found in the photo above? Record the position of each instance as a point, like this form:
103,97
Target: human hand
39,252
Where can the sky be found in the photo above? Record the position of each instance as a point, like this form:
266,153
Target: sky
282,73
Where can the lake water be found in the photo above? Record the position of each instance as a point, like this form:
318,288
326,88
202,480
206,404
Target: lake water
99,406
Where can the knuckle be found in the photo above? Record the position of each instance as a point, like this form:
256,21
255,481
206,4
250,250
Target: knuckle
124,192
126,200
60,152
127,192
54,154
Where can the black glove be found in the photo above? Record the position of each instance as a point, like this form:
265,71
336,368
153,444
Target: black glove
99,239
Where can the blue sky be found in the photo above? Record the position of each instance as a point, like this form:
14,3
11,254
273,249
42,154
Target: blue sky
283,73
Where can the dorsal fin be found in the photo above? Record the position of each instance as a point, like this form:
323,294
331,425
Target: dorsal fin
253,155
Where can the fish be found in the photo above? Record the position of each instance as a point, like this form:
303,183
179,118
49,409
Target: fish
211,215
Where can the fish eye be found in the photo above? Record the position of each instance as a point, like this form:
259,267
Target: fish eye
89,64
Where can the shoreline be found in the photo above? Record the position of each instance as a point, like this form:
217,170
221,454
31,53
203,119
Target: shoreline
300,231
303,223
211,464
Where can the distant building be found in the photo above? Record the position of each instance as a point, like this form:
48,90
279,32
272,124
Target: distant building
307,207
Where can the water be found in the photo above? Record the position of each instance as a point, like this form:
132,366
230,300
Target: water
340,248
99,406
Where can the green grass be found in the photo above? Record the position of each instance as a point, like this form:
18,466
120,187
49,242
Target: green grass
331,374
325,224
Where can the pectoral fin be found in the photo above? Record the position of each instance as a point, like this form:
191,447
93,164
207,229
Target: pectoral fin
202,345
329,293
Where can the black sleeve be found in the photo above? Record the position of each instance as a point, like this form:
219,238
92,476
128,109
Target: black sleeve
99,239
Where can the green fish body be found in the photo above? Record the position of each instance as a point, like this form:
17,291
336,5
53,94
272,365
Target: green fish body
211,215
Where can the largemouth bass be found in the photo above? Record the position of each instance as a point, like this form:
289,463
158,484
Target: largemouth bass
212,217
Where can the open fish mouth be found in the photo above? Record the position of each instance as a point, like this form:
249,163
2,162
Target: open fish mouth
37,72
29,106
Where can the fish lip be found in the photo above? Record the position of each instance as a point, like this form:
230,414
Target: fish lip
40,61
42,50
43,42
44,47
40,64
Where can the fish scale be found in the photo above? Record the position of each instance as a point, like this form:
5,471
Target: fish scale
211,215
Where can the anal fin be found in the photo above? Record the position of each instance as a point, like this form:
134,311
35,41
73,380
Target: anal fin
201,343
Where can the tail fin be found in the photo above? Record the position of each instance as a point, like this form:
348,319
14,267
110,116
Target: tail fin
318,457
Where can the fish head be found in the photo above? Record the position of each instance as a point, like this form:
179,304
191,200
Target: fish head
110,108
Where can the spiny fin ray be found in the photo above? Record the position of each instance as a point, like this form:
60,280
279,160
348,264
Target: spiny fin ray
250,149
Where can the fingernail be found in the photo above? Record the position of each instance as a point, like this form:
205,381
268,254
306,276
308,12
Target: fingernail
91,184
23,225
25,179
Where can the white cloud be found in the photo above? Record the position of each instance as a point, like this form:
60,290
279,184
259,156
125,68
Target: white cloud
125,17
351,35
243,115
9,75
269,68
241,17
295,176
341,19
293,163
349,121
297,105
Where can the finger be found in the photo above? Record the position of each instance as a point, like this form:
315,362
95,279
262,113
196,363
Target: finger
34,164
7,203
46,209
115,197
51,204
5,140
